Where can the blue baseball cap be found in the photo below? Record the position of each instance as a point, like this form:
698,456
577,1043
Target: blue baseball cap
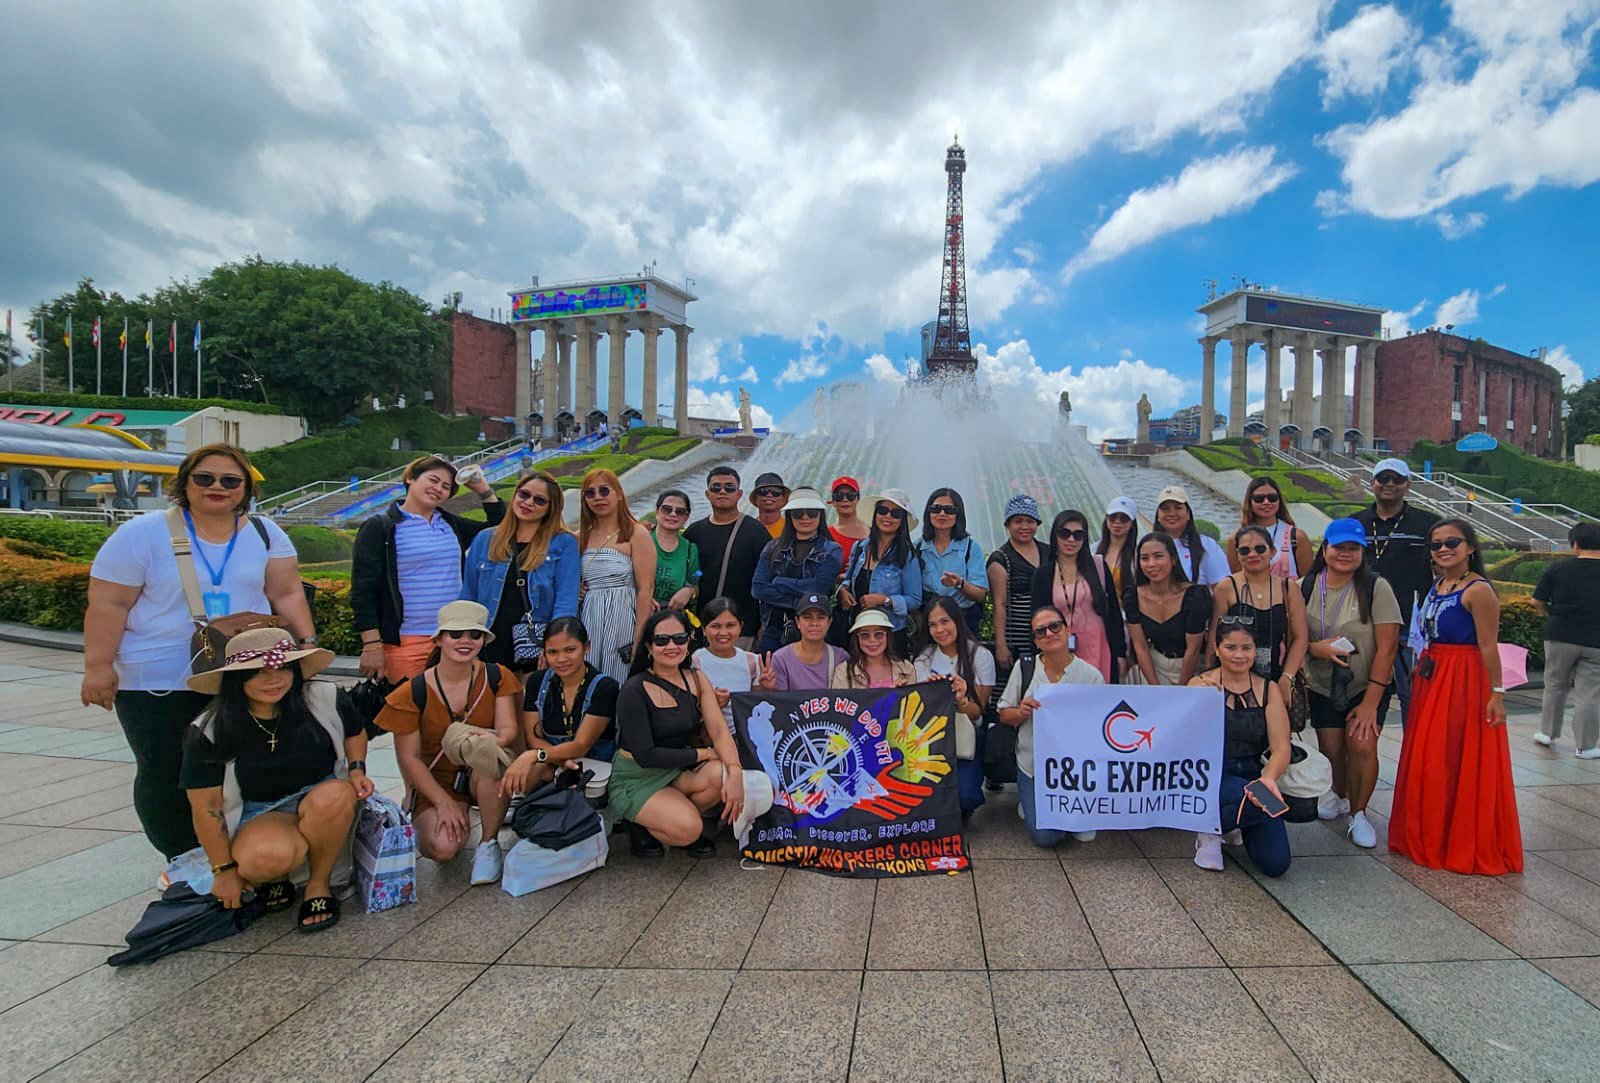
1345,530
1024,505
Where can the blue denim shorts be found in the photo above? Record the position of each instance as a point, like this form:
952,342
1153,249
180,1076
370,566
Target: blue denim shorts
291,803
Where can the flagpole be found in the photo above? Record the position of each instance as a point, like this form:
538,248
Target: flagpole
69,354
98,343
172,340
124,357
9,351
150,345
198,392
41,353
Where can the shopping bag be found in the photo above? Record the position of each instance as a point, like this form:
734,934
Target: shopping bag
530,867
385,855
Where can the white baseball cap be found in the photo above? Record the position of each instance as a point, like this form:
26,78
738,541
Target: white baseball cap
1397,465
1123,505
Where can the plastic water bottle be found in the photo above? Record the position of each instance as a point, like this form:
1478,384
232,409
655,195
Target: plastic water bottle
192,868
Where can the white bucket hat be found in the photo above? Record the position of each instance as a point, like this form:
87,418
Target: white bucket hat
757,800
900,499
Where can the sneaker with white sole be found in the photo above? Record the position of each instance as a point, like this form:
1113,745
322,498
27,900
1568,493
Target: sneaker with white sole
1208,852
1330,806
1589,753
487,861
1084,836
1233,838
1361,832
1543,739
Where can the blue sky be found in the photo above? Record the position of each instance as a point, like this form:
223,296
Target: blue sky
1435,159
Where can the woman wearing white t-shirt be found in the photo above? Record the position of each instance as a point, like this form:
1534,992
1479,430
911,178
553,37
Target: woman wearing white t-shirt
1201,558
952,652
729,667
136,630
1055,664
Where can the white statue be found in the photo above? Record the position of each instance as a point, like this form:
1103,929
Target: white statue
744,411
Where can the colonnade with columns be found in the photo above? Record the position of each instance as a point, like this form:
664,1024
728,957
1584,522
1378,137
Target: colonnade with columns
566,378
1304,413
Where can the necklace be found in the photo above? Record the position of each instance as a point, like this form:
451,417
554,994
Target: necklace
272,734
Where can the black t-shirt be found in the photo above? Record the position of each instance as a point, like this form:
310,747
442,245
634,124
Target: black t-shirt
1170,637
711,539
512,607
1399,553
543,694
304,755
1570,590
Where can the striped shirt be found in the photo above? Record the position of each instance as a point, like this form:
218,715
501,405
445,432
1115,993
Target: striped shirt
428,564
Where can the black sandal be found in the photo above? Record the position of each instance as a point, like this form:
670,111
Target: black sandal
321,904
276,896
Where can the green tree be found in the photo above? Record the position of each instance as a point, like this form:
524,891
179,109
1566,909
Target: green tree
1585,418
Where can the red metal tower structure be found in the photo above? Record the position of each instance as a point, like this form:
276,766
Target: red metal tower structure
952,341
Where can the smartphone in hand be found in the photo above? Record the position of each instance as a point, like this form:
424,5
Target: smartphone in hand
1263,798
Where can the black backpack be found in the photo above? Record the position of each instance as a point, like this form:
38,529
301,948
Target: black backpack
419,687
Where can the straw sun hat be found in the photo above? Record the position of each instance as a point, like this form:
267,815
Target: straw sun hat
262,648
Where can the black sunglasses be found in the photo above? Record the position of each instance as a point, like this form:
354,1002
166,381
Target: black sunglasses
1072,533
1447,543
1263,498
229,482
1256,550
1389,477
535,499
1050,629
769,490
661,639
805,513
464,633
726,487
846,495
941,509
889,510
602,491
671,509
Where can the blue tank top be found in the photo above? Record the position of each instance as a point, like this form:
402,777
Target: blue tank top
1445,620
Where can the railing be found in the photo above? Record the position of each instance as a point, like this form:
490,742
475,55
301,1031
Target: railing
294,499
112,516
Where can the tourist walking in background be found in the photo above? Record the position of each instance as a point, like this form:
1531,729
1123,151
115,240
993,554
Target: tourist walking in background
140,618
1201,558
1397,535
619,573
801,560
1455,806
1568,595
296,751
728,667
1264,507
676,759
456,687
875,658
1077,582
1167,616
1119,534
1255,725
1053,663
952,563
809,661
845,498
1354,627
768,497
569,710
1270,606
677,558
953,652
730,545
407,562
524,572
884,572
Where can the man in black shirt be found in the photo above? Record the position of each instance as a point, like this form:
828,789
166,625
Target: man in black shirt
1568,595
729,533
1397,534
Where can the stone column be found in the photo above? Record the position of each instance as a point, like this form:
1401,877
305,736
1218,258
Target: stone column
1305,390
1333,388
1273,411
652,331
583,393
617,382
1325,408
1208,386
1237,382
564,372
1367,357
680,380
523,396
550,373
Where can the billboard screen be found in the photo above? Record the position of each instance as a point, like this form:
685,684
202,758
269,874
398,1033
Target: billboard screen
1326,319
595,301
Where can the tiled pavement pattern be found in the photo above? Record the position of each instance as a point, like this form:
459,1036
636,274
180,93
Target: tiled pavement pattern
1115,960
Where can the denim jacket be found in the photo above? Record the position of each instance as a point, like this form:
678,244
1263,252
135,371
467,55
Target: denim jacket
552,586
902,583
781,590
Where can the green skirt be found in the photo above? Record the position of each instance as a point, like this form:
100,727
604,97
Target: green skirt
632,785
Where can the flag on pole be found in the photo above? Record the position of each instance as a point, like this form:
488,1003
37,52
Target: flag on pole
198,383
122,341
67,338
149,332
94,336
197,336
150,348
99,386
172,344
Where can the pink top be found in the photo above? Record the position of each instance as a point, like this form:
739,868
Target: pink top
1086,624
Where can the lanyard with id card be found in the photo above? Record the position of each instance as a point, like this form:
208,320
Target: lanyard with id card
216,600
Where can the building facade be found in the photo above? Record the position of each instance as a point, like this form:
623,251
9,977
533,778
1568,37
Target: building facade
1440,387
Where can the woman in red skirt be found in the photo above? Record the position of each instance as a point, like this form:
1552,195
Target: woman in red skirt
1454,804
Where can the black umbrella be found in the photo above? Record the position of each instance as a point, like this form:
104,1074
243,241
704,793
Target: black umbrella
181,919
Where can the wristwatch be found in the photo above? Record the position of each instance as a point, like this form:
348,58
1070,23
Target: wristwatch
356,765
541,754
218,870
308,640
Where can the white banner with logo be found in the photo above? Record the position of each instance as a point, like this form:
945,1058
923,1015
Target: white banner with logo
1119,757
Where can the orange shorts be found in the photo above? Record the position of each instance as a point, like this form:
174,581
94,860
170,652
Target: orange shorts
410,658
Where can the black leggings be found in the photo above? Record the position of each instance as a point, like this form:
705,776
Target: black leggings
154,725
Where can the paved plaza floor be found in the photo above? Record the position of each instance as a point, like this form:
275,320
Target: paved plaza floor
1113,960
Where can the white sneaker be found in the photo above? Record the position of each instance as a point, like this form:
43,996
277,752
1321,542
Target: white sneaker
1542,738
1589,753
1330,806
1084,836
1208,852
487,860
1361,832
1233,838
1023,816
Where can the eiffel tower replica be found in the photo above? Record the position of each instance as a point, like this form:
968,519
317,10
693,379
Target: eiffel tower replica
951,358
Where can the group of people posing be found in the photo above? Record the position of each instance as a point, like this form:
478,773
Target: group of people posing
513,645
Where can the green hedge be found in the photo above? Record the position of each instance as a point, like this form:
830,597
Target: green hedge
364,449
1507,468
320,544
1521,624
43,593
130,402
77,541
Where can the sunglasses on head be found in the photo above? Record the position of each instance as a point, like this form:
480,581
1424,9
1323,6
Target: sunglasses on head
941,509
464,633
1389,477
671,509
1253,550
889,510
1055,627
1072,533
1243,620
769,490
846,495
602,491
536,499
1447,543
723,487
1263,498
229,482
661,639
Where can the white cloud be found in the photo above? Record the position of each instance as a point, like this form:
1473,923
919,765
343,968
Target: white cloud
1104,397
1358,58
880,368
1397,323
801,369
723,406
1462,308
1498,106
748,376
1207,188
1454,228
1559,359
